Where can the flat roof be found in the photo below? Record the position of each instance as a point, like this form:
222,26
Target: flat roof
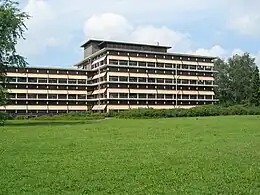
101,42
148,52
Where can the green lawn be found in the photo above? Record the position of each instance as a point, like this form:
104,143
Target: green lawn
217,155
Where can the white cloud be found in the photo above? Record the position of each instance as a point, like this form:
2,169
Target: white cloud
162,35
107,26
237,52
216,50
116,27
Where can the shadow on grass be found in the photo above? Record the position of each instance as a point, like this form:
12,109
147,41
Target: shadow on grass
45,123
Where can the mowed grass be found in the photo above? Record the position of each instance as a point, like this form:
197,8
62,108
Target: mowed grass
215,155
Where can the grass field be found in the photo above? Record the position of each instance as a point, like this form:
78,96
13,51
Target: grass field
218,155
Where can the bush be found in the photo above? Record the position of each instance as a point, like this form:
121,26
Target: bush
73,116
200,111
3,117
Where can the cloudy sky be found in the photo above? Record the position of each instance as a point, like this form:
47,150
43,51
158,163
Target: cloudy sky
57,28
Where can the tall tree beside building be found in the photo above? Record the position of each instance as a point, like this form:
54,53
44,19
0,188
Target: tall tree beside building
12,28
255,99
223,91
237,80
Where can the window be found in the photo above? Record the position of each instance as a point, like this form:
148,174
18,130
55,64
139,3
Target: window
52,96
201,97
32,96
123,95
52,80
133,95
123,79
184,66
160,80
193,97
123,62
142,96
185,82
200,67
72,97
192,67
168,65
151,96
193,82
160,96
133,79
113,78
82,81
201,82
168,80
42,80
113,95
208,82
141,80
143,64
209,97
168,96
151,64
113,62
62,97
11,95
21,95
151,80
82,97
132,63
72,81
160,65
32,80
185,97
42,96
11,79
21,79
208,68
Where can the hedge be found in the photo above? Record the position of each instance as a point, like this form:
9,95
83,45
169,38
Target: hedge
72,116
200,111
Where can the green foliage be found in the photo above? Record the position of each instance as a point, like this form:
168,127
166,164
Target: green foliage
72,116
3,117
255,85
237,80
200,111
12,28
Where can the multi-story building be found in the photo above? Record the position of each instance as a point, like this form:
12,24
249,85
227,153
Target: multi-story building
129,76
38,91
114,76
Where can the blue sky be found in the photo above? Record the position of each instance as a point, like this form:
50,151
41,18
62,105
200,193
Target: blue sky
218,27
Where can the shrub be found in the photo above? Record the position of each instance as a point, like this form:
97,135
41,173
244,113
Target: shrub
3,117
200,111
72,116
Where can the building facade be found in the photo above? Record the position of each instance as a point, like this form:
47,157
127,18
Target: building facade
115,76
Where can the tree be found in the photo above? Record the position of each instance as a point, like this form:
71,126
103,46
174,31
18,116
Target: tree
223,91
237,80
12,28
255,99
